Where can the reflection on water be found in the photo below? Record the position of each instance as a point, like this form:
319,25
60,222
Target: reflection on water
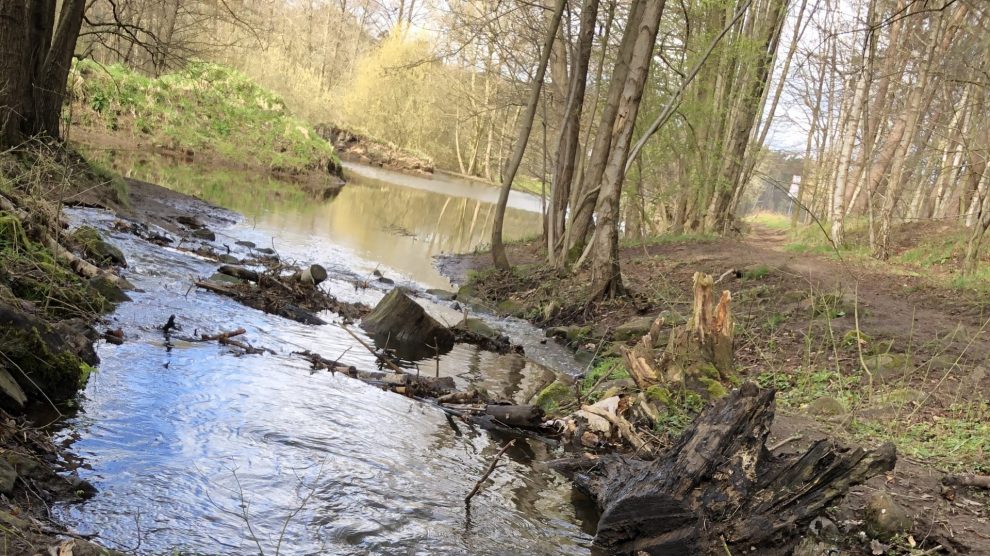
197,451
400,222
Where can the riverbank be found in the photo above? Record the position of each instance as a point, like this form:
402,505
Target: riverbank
206,112
857,351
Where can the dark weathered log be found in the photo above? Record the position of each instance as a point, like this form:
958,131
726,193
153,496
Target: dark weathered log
401,324
720,482
239,272
516,415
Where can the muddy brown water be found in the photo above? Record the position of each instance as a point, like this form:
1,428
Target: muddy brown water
195,450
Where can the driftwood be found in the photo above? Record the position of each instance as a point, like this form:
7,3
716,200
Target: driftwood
223,336
516,415
719,488
239,272
399,382
313,275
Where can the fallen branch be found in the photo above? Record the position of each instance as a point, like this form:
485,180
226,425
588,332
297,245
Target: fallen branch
488,472
381,357
223,336
978,481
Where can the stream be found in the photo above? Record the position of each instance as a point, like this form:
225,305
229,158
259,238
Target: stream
197,451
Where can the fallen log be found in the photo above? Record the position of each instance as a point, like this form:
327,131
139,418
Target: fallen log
719,488
239,272
314,275
526,416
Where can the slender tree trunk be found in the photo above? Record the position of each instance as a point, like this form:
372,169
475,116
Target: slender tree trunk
606,280
525,128
15,74
570,133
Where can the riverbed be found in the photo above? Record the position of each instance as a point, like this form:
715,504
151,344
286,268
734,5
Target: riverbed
194,449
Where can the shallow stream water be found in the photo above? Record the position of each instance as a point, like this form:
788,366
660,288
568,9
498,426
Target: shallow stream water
196,450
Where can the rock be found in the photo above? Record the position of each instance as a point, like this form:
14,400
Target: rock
8,476
557,394
479,327
244,243
825,407
26,466
886,367
266,250
883,518
511,307
385,280
229,259
109,290
633,329
225,278
204,233
442,295
571,334
96,249
10,388
903,396
400,323
190,221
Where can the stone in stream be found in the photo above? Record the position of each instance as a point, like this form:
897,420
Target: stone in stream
204,233
401,324
96,249
245,243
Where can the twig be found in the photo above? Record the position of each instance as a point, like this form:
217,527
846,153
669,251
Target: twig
383,358
491,467
784,442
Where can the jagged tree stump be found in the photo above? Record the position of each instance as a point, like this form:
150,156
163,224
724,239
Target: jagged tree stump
698,355
719,487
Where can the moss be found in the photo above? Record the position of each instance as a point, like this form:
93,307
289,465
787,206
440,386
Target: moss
756,272
713,387
554,396
658,394
41,361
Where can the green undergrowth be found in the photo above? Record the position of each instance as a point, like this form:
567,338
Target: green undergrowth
204,107
772,220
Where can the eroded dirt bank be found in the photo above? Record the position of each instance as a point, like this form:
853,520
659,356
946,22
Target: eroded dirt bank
859,353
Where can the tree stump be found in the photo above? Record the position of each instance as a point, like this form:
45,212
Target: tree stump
720,487
698,355
399,323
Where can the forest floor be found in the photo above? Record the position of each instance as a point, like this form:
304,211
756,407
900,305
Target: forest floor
859,351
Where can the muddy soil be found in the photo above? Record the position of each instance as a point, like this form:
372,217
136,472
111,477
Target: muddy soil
792,310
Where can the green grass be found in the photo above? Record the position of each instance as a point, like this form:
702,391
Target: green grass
203,107
770,220
529,185
668,239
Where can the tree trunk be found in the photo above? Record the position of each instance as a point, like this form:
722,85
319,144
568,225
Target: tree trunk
570,132
582,210
15,72
606,280
49,85
525,128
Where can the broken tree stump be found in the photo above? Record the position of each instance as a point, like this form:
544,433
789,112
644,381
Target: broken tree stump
699,354
720,488
401,324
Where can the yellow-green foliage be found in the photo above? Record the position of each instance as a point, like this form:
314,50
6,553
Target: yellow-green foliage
396,94
203,107
554,396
